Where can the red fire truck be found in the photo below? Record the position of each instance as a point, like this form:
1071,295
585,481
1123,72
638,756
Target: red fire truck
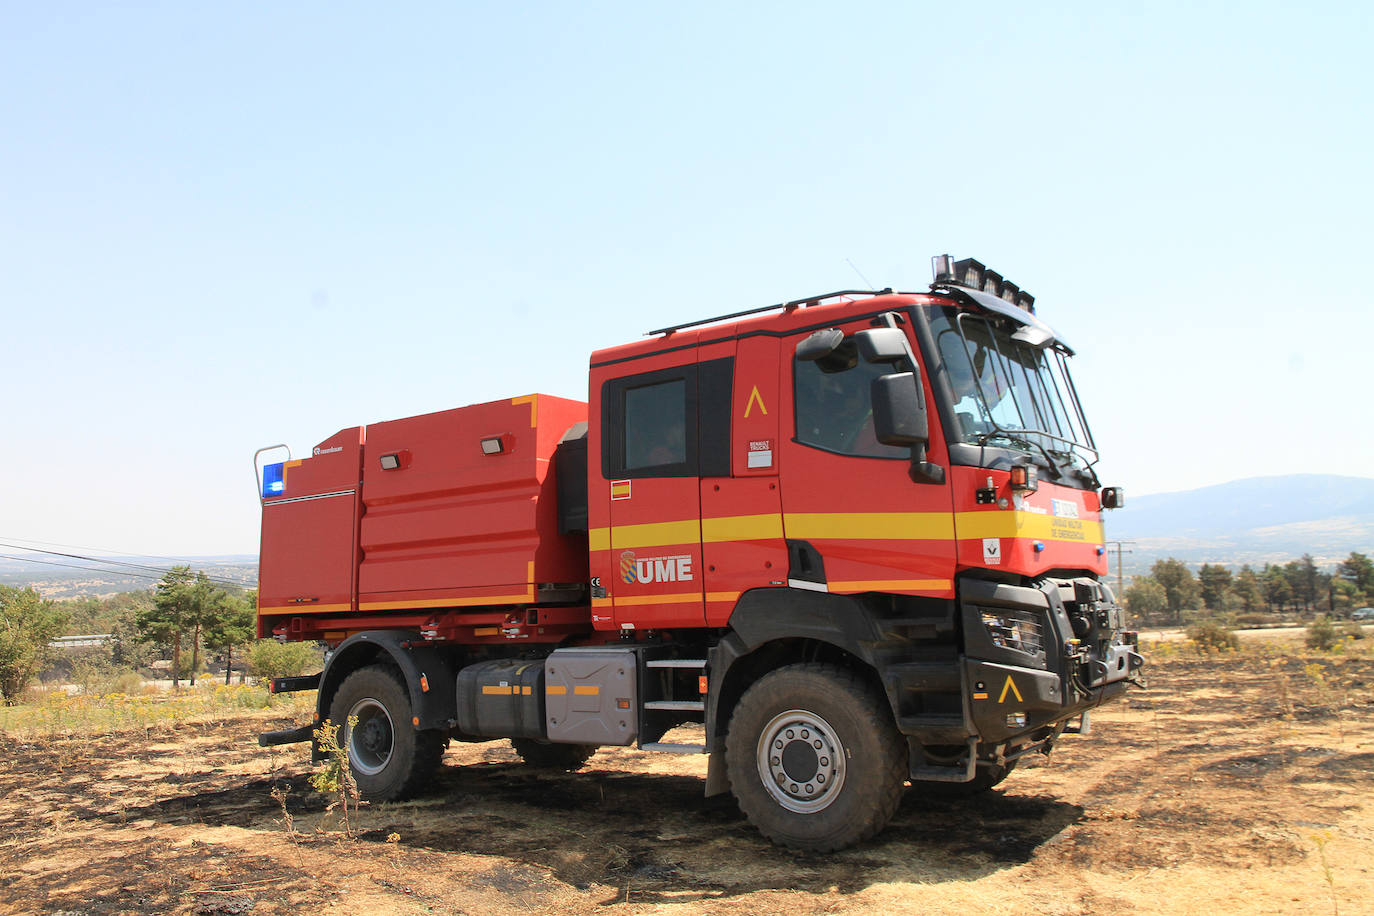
857,537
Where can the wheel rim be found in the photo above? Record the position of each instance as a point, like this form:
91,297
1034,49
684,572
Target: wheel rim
801,761
371,739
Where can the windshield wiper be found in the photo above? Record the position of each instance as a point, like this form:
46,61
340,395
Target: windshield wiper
1055,471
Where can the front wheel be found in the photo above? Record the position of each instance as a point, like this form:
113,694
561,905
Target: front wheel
389,759
814,758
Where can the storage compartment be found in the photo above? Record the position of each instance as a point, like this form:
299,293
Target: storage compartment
309,533
502,699
460,507
590,696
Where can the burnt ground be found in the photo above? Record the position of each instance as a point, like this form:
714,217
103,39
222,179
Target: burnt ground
1239,784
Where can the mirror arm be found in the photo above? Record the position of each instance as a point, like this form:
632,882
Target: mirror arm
923,471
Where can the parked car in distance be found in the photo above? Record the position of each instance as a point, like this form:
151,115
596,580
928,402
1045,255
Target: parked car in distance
1364,613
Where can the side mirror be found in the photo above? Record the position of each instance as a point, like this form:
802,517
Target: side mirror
881,345
899,410
1113,497
899,418
820,344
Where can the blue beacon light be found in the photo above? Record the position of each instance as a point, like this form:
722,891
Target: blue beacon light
273,482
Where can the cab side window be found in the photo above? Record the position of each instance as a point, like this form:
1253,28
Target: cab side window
656,425
834,406
668,423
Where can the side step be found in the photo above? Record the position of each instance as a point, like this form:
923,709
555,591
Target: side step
958,773
292,684
663,748
675,663
687,705
286,736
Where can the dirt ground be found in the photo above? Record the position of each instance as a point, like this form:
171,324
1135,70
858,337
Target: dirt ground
1236,785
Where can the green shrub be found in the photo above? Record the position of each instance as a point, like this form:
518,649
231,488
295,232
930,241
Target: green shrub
1322,634
1211,634
1254,619
269,658
129,683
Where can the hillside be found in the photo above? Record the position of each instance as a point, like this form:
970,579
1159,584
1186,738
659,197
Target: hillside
1257,520
96,580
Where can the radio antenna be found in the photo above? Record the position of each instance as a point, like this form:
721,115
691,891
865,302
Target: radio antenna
867,282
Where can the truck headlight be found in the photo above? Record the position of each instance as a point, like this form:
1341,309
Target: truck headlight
1014,630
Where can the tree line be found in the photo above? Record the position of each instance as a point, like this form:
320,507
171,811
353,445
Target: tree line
185,617
1171,590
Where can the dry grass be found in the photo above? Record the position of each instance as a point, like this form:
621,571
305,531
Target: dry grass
51,714
1241,782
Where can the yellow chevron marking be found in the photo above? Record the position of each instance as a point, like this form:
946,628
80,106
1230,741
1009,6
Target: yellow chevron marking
755,397
1010,685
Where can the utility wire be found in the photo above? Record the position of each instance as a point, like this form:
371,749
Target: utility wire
118,553
132,575
77,556
218,580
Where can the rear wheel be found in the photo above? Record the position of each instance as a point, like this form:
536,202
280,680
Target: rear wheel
546,755
389,758
814,758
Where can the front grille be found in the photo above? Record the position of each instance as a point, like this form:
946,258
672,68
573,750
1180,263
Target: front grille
1020,630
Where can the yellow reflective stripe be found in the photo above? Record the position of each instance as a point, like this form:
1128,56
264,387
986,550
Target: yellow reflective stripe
526,598
891,585
742,528
447,602
657,599
555,690
996,524
857,526
586,690
870,526
304,608
497,691
722,596
533,401
655,535
486,631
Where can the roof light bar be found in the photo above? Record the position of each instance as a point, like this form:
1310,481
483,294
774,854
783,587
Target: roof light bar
975,275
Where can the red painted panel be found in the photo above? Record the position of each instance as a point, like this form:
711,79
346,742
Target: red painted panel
308,533
459,521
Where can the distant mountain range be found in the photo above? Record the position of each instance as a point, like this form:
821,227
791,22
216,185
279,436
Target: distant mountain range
1258,520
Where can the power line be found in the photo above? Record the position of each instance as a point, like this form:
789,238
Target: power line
77,556
218,580
118,553
131,575
1120,549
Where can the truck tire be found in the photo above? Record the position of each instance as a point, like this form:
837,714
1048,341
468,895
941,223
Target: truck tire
814,758
389,759
546,755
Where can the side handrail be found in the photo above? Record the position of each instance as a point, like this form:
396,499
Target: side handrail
257,471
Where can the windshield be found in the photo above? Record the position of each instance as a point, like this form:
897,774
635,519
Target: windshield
1007,393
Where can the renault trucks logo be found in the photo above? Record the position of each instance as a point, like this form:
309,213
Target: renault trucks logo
654,569
328,451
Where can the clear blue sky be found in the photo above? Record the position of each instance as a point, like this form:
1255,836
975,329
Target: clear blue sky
229,225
